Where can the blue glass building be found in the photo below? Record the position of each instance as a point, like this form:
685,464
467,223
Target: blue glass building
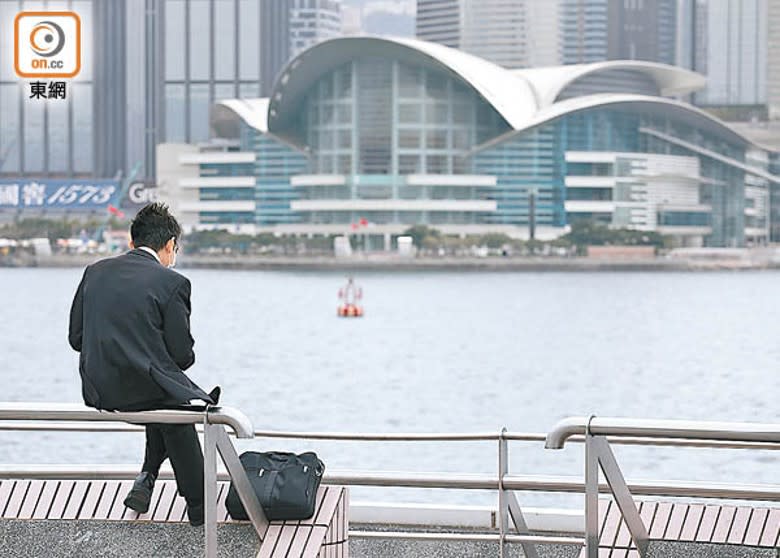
400,132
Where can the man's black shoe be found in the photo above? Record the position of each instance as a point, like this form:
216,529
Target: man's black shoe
215,393
195,515
139,496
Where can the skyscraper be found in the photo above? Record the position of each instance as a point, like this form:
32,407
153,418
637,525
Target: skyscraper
438,21
56,138
642,30
528,33
291,26
773,60
731,44
275,30
160,66
312,21
511,33
593,30
583,31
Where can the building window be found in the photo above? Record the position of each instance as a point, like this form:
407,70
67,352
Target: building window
175,45
175,114
224,39
200,29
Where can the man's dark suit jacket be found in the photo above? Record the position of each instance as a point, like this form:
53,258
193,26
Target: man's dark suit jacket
130,320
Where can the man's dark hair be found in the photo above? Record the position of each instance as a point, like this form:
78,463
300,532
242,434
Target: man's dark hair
154,226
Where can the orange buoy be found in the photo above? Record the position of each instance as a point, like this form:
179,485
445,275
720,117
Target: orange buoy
350,294
350,311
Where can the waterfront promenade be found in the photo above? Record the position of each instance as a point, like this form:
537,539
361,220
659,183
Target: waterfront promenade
724,259
53,511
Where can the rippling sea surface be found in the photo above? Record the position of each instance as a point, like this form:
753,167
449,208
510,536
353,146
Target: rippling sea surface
440,352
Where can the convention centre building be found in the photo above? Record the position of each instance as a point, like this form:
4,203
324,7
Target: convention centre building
374,135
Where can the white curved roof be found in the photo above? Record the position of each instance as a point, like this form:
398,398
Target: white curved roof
512,97
252,111
661,105
524,98
550,82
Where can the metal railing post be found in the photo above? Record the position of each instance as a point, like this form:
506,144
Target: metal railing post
591,496
619,488
503,469
507,503
241,482
210,487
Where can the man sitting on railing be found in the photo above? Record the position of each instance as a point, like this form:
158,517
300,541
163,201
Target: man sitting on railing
130,320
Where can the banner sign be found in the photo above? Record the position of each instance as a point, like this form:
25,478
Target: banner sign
57,194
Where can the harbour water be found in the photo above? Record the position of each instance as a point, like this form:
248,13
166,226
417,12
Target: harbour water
440,352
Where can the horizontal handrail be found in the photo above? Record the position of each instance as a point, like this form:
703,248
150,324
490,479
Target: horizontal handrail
227,416
650,428
529,483
75,426
463,537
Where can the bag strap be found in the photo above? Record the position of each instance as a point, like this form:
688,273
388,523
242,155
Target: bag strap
269,486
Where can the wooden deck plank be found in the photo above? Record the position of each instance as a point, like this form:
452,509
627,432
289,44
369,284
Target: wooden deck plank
30,499
178,510
604,506
344,509
647,513
676,521
611,526
739,525
16,499
167,496
155,499
91,499
756,526
110,494
771,534
662,513
708,520
6,487
722,527
314,542
222,512
692,522
269,542
327,498
46,500
301,542
61,499
117,510
623,538
75,500
285,539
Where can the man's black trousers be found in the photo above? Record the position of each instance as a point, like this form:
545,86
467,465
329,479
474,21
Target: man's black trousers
179,443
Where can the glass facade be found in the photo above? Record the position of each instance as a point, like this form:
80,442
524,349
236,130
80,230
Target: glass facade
383,117
211,53
530,164
274,165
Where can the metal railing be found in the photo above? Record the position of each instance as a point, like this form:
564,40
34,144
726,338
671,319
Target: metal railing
598,454
505,483
215,441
